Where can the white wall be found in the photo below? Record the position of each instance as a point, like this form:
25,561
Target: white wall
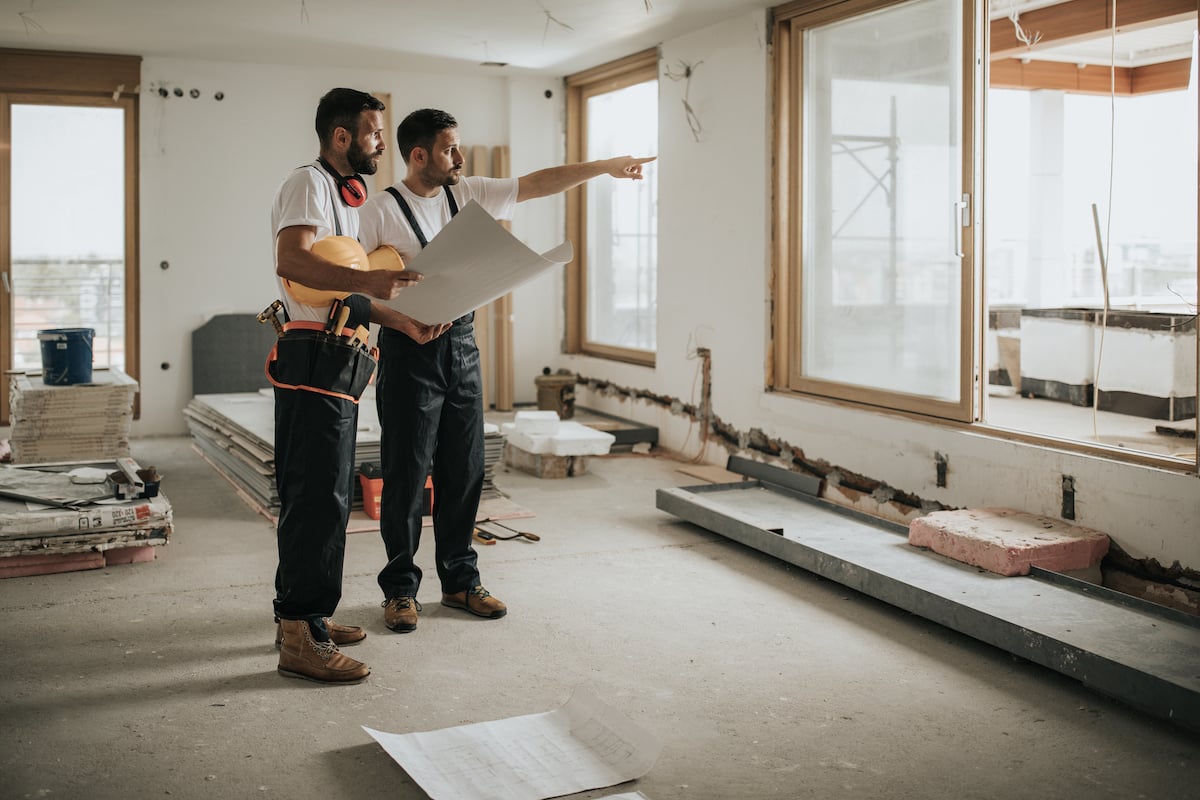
209,172
537,140
714,269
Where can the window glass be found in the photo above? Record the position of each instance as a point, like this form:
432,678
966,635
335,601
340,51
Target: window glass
622,221
68,228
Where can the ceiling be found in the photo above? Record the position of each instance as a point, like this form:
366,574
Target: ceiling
553,37
527,36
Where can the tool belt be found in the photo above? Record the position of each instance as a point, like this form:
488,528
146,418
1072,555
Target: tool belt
308,358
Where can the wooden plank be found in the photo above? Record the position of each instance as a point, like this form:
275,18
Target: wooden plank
483,340
1011,73
1079,20
1166,76
385,168
52,71
503,308
711,473
479,160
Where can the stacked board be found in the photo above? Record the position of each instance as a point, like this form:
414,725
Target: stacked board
76,422
236,434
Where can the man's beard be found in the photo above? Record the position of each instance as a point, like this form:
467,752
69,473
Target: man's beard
361,161
448,178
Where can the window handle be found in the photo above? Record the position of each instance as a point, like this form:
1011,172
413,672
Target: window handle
962,218
7,285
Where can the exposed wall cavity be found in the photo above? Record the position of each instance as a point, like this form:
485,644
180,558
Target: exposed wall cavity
838,484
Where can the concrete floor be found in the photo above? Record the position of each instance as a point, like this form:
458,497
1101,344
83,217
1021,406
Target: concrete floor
761,680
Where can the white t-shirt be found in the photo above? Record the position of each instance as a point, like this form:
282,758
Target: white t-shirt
306,197
382,222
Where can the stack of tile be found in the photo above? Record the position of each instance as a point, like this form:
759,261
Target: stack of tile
37,539
236,434
77,422
493,451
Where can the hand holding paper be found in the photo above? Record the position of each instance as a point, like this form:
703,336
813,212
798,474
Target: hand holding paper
471,262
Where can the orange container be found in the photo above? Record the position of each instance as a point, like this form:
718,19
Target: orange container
372,490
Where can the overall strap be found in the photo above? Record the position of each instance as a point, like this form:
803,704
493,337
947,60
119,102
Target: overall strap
412,220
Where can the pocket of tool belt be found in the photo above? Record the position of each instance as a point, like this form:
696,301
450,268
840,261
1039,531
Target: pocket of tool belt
318,362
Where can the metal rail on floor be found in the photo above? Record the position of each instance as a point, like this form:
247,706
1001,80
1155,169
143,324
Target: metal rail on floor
1136,652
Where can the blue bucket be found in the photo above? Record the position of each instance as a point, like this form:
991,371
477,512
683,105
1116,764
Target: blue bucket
66,355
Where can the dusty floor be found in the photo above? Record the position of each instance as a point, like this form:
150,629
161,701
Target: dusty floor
760,680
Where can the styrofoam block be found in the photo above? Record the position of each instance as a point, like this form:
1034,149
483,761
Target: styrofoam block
539,423
572,439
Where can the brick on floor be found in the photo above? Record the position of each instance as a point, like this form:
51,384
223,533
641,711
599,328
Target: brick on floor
1008,542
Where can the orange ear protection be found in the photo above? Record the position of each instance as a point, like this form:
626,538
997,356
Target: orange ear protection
353,189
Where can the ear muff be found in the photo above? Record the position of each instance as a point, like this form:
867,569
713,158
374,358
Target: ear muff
353,189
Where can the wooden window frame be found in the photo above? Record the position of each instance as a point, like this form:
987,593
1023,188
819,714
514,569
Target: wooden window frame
609,77
997,73
32,76
784,371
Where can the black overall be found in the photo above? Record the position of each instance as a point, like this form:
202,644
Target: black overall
430,402
314,469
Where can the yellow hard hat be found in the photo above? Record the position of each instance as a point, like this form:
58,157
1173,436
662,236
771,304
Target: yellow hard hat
385,257
342,250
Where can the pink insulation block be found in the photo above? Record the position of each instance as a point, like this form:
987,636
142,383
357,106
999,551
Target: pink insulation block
1008,542
26,565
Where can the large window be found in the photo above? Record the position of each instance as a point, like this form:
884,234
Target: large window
612,285
1060,311
68,180
877,238
1090,226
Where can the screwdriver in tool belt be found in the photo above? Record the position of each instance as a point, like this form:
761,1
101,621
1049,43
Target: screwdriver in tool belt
343,317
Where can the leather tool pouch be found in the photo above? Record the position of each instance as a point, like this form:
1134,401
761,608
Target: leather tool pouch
315,361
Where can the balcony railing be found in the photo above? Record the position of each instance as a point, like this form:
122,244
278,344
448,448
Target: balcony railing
53,293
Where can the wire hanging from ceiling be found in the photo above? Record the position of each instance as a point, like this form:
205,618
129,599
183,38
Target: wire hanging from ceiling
28,21
689,113
551,18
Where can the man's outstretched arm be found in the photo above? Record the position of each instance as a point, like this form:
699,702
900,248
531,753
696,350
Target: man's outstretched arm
553,180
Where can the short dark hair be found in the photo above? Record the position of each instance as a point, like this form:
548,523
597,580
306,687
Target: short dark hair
339,108
421,129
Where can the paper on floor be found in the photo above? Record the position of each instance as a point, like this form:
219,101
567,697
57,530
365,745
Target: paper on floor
583,745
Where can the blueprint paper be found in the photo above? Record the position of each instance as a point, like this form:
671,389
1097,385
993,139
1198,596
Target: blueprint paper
471,262
583,745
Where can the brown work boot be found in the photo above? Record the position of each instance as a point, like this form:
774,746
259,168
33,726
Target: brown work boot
341,635
400,614
301,656
478,601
